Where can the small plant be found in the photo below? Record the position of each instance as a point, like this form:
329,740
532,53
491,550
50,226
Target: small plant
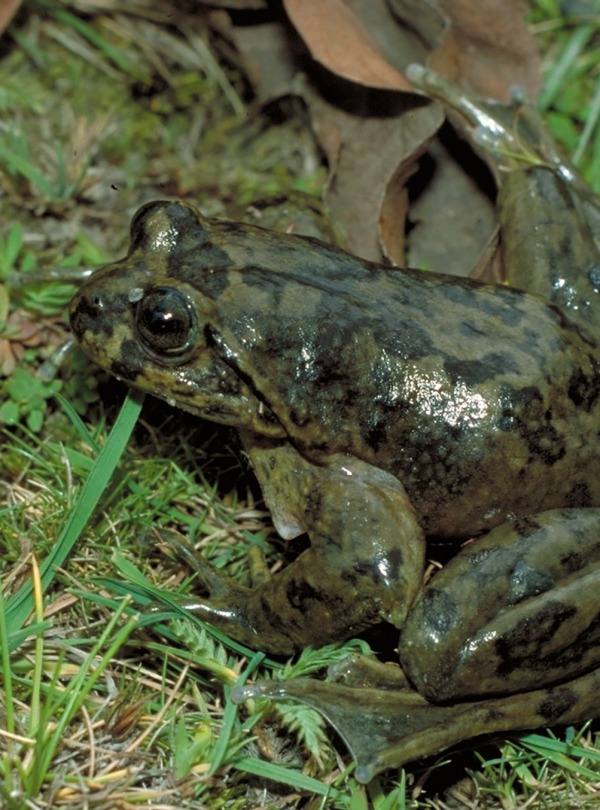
24,398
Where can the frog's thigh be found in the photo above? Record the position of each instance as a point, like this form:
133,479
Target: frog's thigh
366,555
517,610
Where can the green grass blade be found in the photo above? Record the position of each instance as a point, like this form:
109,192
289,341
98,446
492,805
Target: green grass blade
285,776
590,126
78,423
231,710
112,53
554,80
6,680
21,604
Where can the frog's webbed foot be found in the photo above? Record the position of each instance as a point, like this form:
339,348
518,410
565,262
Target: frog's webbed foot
368,719
385,728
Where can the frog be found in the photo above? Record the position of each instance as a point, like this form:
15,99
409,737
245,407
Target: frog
381,408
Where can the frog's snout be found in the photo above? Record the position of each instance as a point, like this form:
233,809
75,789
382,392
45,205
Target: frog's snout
88,315
81,314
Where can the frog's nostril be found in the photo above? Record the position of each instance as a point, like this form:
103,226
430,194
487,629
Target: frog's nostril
84,313
91,304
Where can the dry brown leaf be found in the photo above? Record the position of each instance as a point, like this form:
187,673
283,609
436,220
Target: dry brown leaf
8,9
424,16
454,213
338,40
482,45
488,45
366,134
369,135
393,214
366,153
372,137
399,44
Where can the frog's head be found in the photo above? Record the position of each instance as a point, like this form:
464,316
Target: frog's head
147,318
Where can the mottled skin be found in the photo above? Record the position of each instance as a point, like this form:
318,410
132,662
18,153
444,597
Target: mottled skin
380,406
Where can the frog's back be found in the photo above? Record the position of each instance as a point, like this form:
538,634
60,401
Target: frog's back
482,400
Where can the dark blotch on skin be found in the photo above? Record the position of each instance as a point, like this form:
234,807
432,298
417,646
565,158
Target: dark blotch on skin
503,304
594,276
522,412
580,495
522,647
269,616
440,612
526,526
583,391
366,569
376,436
556,704
572,562
350,577
302,597
526,581
87,318
547,443
477,371
130,363
299,592
395,559
211,276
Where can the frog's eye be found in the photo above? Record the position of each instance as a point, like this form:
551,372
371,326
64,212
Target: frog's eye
166,321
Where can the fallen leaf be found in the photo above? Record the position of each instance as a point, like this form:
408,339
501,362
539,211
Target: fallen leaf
367,135
399,44
366,155
372,136
8,9
452,208
337,39
488,45
393,214
482,45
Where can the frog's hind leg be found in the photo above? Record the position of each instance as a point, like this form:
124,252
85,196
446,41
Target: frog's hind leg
517,610
504,638
549,218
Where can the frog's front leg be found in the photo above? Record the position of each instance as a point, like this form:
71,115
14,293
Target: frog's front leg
364,564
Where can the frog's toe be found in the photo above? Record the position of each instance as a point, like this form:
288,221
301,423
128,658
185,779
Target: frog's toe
366,670
218,586
226,604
